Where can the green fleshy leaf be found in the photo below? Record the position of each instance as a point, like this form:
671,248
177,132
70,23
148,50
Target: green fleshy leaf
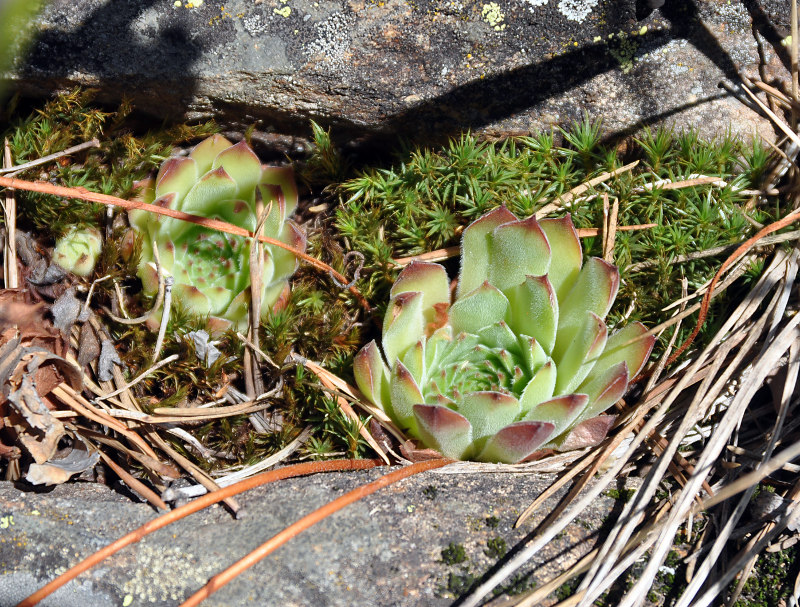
192,298
403,325
532,353
480,308
581,354
488,412
210,194
515,442
176,176
628,344
283,178
431,280
243,166
414,361
238,213
207,150
475,249
534,310
561,411
588,433
405,394
566,255
540,388
604,389
594,291
372,375
498,335
444,430
517,250
285,261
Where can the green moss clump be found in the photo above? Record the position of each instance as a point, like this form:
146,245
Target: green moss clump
423,202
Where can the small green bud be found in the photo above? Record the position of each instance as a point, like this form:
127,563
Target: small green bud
77,251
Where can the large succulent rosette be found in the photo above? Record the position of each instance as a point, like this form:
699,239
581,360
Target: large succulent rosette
211,269
521,359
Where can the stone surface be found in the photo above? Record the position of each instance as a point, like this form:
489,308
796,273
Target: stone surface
385,550
415,67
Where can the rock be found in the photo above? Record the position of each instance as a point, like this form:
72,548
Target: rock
385,550
420,68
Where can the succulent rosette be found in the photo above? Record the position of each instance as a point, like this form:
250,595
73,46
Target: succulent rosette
520,360
211,269
77,250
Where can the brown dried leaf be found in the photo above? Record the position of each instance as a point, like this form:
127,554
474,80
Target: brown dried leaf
43,443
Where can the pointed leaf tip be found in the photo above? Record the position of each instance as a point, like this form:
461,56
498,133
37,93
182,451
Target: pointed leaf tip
475,249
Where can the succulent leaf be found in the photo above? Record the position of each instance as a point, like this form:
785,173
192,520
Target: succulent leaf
561,411
520,360
515,442
211,269
447,431
77,251
565,266
371,374
534,309
517,249
488,412
403,325
475,259
430,279
405,393
484,306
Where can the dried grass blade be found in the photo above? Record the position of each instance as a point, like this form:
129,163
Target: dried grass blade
578,190
329,380
10,274
715,445
69,397
134,483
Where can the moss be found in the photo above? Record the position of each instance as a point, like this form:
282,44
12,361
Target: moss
430,492
496,548
772,579
454,554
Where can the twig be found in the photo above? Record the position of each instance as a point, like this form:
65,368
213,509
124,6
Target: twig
190,508
137,379
715,251
10,274
214,224
13,170
567,197
225,576
134,483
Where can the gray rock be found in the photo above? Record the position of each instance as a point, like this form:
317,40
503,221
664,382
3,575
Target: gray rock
385,550
415,67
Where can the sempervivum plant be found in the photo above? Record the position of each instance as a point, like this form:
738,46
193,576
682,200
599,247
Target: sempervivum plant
211,269
77,251
519,361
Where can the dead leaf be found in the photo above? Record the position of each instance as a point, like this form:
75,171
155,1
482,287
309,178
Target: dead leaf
57,471
40,437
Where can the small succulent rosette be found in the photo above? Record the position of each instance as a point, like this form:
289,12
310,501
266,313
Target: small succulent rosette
77,250
520,361
211,269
